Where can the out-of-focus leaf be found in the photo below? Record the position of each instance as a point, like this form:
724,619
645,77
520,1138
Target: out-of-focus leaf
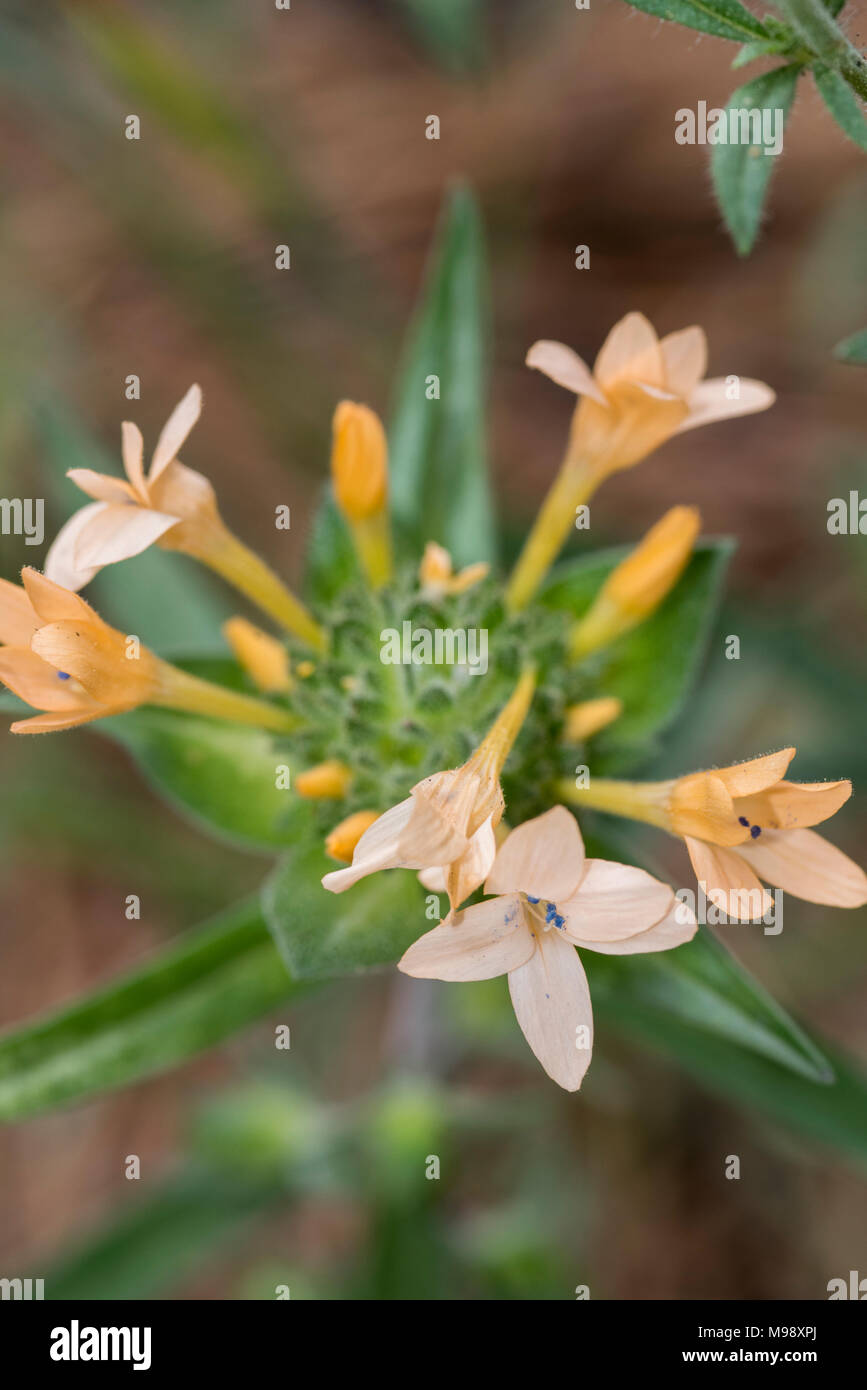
725,19
201,990
832,1115
853,350
321,934
160,1242
701,984
843,104
450,29
741,171
652,668
439,485
222,776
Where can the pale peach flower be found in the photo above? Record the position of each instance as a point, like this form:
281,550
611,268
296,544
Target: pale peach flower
550,899
744,823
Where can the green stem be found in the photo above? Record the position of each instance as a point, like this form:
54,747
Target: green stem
179,690
819,30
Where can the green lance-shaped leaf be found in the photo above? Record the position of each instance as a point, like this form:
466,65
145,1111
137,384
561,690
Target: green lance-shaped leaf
160,1242
206,986
439,485
653,667
725,19
225,777
843,104
741,171
703,985
832,1115
322,934
853,350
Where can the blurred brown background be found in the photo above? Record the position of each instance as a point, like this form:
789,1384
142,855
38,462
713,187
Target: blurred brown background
156,258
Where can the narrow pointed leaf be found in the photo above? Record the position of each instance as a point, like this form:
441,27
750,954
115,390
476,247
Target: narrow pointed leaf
725,19
202,989
843,104
439,485
741,172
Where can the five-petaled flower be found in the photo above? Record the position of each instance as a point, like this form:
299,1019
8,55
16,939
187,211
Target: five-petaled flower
744,823
550,899
61,657
642,390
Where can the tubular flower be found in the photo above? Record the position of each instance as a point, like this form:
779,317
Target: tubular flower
550,899
62,658
265,660
437,577
447,821
171,506
638,585
641,391
744,823
359,471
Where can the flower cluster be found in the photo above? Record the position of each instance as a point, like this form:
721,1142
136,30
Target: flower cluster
364,732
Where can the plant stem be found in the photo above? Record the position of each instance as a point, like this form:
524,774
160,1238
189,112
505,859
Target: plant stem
819,30
573,485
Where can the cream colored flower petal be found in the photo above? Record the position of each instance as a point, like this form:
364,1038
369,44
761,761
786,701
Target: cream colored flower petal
101,486
684,358
543,858
132,452
485,941
640,418
33,680
175,431
710,401
53,603
728,881
790,804
807,866
677,926
60,563
183,492
701,805
744,779
433,879
551,999
52,723
561,364
118,533
631,352
96,655
464,875
18,622
614,901
408,836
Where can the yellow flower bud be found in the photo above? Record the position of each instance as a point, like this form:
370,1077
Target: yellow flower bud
359,470
264,659
359,461
636,588
586,719
329,779
341,842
